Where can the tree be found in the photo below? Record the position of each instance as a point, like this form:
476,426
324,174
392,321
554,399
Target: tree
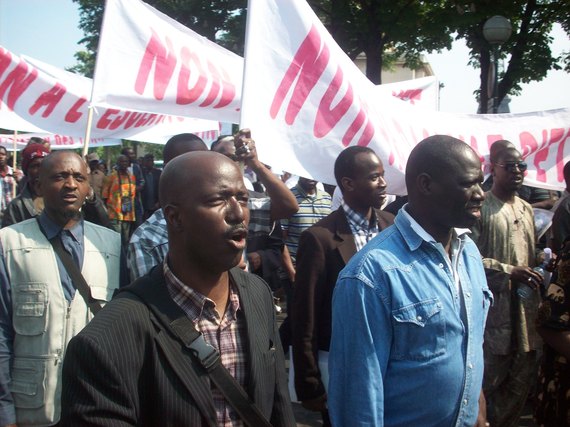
386,30
217,20
528,49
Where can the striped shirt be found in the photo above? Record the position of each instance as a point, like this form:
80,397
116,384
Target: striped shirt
362,229
312,208
226,334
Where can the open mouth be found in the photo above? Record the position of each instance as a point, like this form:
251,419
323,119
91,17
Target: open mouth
238,237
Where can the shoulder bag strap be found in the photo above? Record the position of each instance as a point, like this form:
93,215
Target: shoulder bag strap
209,359
77,278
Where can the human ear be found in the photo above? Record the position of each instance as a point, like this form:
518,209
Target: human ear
347,184
172,217
424,184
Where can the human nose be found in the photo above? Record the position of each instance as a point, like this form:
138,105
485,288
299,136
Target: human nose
236,211
70,182
479,194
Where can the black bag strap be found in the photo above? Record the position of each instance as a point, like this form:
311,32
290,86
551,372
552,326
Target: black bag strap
208,358
77,278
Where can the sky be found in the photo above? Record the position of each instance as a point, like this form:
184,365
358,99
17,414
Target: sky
48,30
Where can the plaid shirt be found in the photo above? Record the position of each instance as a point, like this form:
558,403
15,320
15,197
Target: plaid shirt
226,334
148,245
7,186
362,229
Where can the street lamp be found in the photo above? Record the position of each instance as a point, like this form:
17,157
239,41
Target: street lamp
496,31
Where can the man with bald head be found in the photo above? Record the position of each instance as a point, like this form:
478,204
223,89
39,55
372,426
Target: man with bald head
505,236
409,308
140,362
149,243
40,307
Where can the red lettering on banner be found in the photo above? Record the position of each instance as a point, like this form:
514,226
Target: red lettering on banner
493,138
215,88
409,95
307,67
105,121
119,120
5,60
560,157
228,91
132,119
528,143
16,83
327,117
164,61
48,99
184,94
74,114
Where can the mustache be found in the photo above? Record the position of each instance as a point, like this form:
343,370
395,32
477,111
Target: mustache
234,229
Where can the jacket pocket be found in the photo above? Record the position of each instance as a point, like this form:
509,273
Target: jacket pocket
30,308
419,331
28,382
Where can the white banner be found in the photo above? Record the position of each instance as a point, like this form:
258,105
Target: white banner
149,62
422,92
57,142
305,101
37,97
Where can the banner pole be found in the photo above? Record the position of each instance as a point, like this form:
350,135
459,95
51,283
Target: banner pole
87,131
14,145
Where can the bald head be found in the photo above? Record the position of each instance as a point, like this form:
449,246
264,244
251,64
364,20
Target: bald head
54,157
188,170
499,148
204,200
180,144
436,156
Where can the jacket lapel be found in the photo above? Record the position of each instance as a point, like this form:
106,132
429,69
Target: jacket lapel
343,235
176,333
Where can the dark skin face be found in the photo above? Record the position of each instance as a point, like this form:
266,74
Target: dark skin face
63,184
123,163
308,185
505,182
131,156
210,222
453,199
3,157
367,188
34,172
227,148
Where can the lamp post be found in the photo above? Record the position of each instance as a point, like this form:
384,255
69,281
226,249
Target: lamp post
496,31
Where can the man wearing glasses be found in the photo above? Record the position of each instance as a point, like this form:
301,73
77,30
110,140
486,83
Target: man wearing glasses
506,239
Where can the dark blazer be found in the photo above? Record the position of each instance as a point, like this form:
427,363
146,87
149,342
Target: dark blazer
127,368
324,250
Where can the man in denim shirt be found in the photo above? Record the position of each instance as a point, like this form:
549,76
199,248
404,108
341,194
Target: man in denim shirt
409,309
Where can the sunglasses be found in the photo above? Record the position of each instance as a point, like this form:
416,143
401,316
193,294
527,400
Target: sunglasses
510,167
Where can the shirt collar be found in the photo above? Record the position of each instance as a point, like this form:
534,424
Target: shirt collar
423,234
357,221
51,229
192,302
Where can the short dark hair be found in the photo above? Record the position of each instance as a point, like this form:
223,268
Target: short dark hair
182,143
345,164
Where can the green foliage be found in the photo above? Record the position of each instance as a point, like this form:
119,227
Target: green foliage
385,30
527,51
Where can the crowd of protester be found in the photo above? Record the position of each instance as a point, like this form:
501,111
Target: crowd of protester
147,296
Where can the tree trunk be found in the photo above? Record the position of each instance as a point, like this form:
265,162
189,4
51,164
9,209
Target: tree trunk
374,63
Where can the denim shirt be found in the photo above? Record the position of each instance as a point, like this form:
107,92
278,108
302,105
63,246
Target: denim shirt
406,349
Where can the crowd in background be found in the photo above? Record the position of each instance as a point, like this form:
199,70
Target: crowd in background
302,248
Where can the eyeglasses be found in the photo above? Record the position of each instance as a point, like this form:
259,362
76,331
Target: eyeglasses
510,167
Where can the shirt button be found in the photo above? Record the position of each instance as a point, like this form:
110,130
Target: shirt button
470,366
465,401
420,318
468,295
440,265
